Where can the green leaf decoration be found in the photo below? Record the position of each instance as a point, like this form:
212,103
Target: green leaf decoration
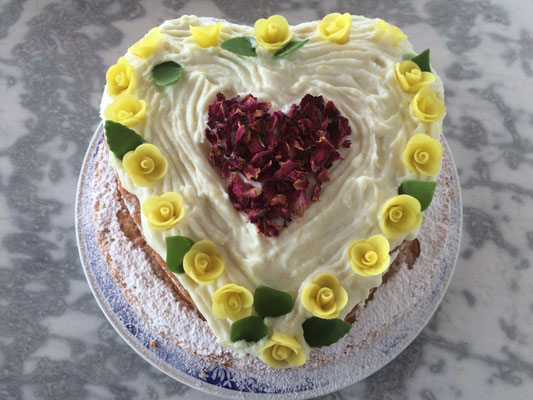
177,247
408,56
270,302
422,60
289,48
251,329
241,45
320,332
121,139
167,73
423,191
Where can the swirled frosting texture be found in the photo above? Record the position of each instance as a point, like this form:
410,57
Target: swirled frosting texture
359,78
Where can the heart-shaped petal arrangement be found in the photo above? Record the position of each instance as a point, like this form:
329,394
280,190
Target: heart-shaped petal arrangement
284,153
276,167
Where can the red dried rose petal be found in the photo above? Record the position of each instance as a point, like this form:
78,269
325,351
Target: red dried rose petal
283,153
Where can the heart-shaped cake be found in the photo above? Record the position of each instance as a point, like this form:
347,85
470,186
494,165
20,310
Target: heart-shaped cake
276,166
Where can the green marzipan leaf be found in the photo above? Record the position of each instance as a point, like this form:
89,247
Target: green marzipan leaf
290,48
423,191
270,302
240,45
422,60
251,329
320,332
167,73
121,139
177,247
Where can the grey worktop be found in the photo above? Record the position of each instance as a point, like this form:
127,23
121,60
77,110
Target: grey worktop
55,343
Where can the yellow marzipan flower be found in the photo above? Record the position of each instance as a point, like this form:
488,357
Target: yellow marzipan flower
389,33
272,33
164,212
232,301
145,165
283,351
369,257
324,297
127,110
423,155
426,106
335,27
120,78
202,263
207,35
410,77
148,44
400,215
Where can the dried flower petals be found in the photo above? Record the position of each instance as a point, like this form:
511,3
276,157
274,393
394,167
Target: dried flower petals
276,162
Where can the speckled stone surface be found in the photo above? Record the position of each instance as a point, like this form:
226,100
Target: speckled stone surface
55,342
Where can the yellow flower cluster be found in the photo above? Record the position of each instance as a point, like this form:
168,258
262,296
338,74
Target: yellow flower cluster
335,27
232,301
148,44
400,215
410,77
423,155
127,110
120,78
145,165
325,297
426,106
389,33
164,212
207,35
202,263
272,33
369,257
283,351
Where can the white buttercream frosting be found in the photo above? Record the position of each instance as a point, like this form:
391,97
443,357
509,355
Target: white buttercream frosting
358,77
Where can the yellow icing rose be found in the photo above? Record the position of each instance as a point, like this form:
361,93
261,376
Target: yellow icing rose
400,215
423,155
165,211
232,301
369,257
426,106
206,36
120,78
389,33
272,33
335,27
410,77
202,263
148,44
282,351
127,110
325,297
145,165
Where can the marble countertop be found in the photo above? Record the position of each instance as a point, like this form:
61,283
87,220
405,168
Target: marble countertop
55,343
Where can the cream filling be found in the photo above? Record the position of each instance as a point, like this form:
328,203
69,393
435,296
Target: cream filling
359,78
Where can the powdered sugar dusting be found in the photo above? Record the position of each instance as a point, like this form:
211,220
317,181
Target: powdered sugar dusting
406,296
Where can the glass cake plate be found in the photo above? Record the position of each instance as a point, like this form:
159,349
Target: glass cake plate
374,352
